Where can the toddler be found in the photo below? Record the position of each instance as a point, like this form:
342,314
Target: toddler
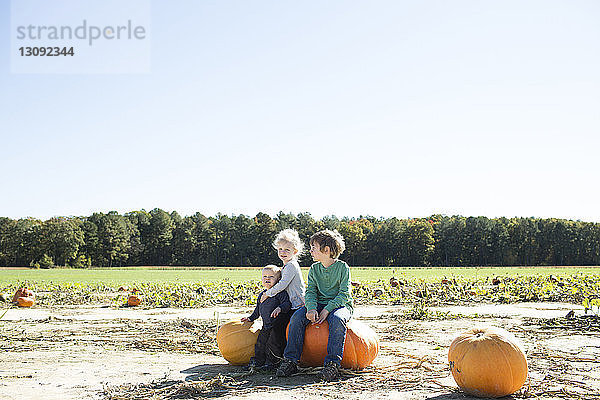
267,351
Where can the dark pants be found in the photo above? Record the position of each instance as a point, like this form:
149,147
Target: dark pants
271,341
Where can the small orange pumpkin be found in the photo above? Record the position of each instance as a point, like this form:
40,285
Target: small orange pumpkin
236,340
134,300
25,301
23,292
487,362
360,347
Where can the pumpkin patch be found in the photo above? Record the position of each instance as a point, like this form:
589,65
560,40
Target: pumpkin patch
414,336
487,362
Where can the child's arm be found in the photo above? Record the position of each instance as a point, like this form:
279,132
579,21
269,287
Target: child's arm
343,296
284,304
341,299
310,297
287,274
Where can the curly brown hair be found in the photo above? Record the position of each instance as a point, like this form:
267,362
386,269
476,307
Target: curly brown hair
330,238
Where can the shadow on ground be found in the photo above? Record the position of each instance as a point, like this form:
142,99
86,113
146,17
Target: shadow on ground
461,396
217,380
257,380
451,396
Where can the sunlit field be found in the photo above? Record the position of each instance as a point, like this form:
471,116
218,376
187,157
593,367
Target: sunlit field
118,276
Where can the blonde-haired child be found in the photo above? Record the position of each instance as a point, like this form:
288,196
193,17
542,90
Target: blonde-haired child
289,247
327,299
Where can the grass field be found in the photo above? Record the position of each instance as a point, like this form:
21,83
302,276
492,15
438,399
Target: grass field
118,276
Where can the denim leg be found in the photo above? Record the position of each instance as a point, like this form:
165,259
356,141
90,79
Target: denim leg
337,320
295,342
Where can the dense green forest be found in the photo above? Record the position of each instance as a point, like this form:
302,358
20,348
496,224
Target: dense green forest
161,238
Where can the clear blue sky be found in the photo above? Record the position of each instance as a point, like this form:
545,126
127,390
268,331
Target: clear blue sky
386,108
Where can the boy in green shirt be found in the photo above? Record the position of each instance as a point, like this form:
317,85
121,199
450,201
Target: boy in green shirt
327,298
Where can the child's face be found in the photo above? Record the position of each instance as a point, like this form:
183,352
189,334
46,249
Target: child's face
269,278
286,251
319,254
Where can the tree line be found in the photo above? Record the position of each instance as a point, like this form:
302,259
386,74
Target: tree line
160,238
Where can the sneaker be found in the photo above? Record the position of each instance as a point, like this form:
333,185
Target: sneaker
268,368
253,365
330,372
288,367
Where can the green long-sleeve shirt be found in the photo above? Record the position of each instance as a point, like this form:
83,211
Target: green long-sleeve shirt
328,286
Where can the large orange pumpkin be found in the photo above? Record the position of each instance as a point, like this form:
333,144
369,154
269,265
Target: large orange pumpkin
236,340
360,348
487,362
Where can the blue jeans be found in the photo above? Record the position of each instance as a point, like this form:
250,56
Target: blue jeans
337,320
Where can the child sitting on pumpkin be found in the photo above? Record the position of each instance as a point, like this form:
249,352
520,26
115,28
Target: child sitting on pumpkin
267,351
327,298
288,245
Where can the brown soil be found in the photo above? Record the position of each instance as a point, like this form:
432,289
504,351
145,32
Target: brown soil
84,352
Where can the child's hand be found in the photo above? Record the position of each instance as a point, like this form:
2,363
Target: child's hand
276,312
322,316
312,315
245,319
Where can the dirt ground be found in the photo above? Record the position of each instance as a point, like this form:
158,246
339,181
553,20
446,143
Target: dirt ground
103,353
